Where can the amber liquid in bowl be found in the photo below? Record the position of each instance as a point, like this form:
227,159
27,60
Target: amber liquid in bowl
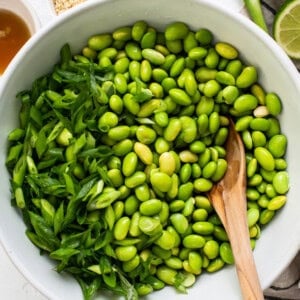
13,34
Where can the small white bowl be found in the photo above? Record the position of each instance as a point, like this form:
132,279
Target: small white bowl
280,240
24,10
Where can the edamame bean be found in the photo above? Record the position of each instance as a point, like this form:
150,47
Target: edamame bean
211,249
149,225
273,104
220,233
122,34
143,152
189,42
173,191
145,70
204,36
252,216
214,122
203,74
125,253
226,253
134,69
266,216
209,169
156,90
166,274
116,104
243,123
133,51
150,207
138,30
221,134
174,263
226,78
176,31
129,164
145,134
164,213
123,147
180,222
185,191
280,164
121,65
187,156
193,241
161,181
172,130
153,56
195,262
135,179
166,241
264,158
174,46
115,177
131,205
277,145
161,119
121,228
161,253
215,265
276,203
212,58
281,182
202,185
244,103
130,265
180,96
260,124
211,88
149,107
99,42
177,205
259,139
197,53
247,77
167,163
270,191
226,50
119,132
197,147
203,228
149,38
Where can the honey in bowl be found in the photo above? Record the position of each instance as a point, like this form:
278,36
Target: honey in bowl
13,34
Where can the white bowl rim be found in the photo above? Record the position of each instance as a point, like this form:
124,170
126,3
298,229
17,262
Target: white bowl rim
76,11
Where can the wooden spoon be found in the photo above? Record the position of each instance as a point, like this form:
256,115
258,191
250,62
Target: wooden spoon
228,198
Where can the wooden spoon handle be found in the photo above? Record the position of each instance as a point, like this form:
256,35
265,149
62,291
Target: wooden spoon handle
238,232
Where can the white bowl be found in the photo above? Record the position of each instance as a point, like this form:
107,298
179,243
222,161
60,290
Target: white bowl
279,241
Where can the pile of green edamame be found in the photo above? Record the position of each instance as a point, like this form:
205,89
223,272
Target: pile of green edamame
118,146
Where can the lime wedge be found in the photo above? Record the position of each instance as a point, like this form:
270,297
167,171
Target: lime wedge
286,28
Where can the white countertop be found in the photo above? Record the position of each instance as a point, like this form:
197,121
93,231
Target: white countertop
13,285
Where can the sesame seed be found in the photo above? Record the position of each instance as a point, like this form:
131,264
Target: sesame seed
63,5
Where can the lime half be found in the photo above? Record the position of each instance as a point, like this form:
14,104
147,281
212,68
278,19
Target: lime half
286,28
